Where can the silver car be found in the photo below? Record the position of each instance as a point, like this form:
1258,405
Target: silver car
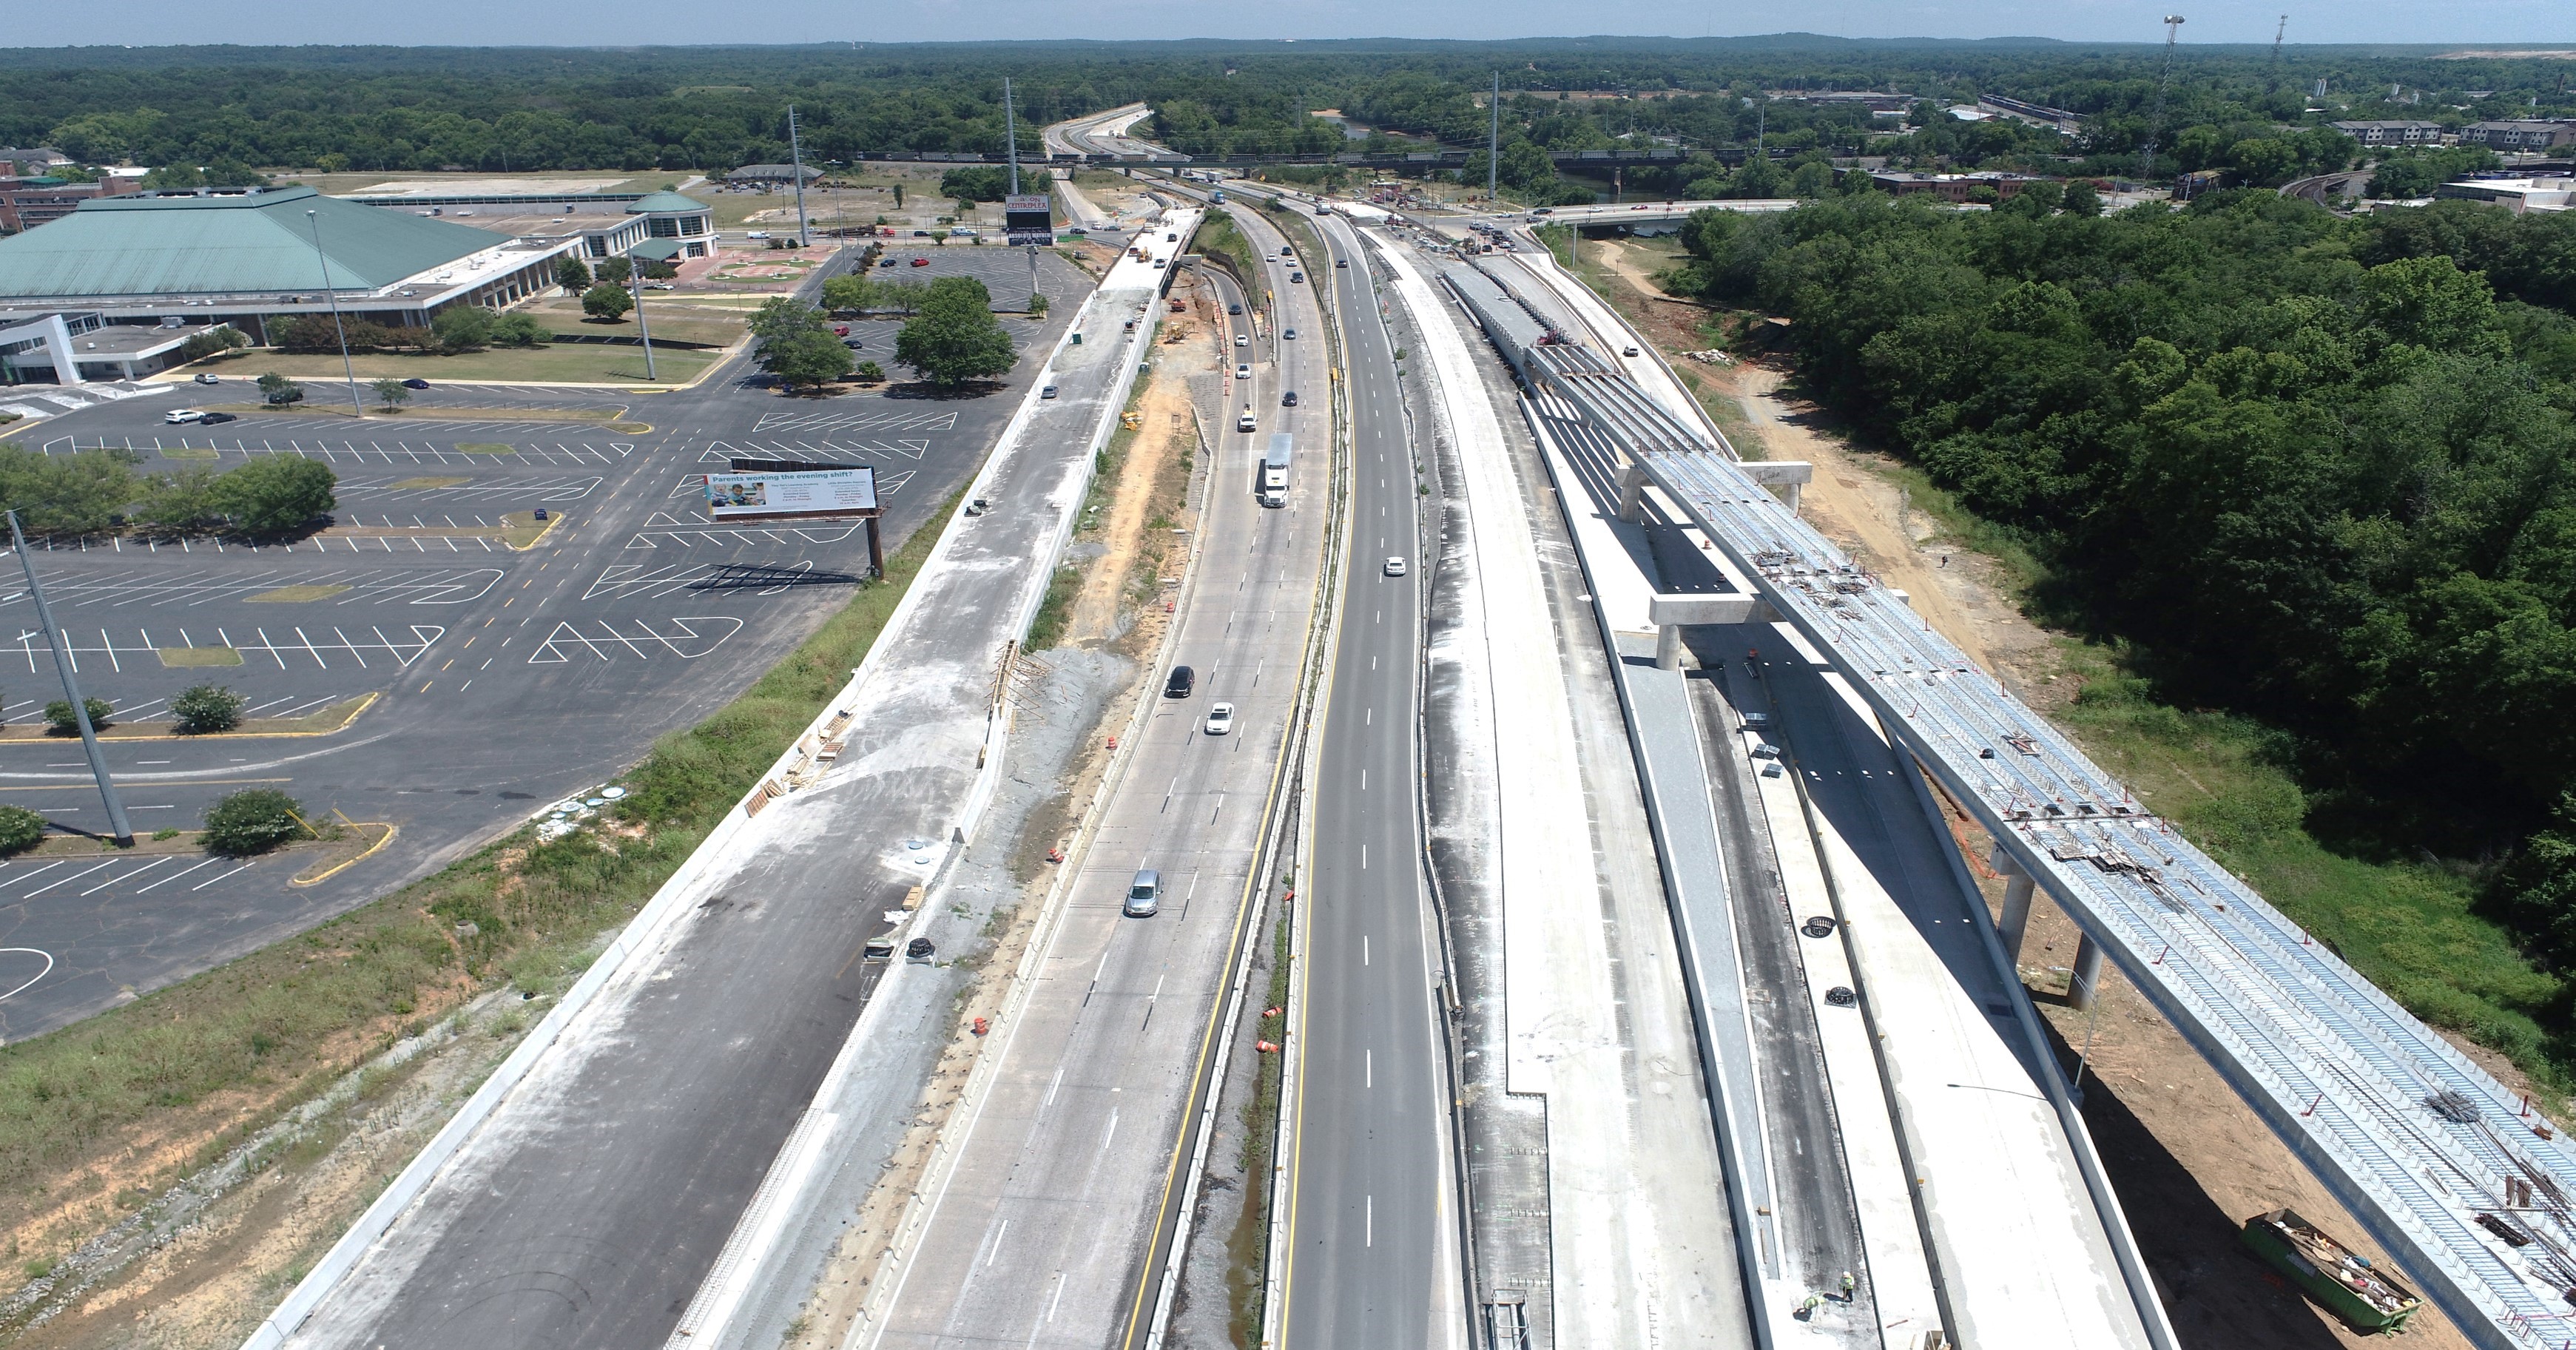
1144,894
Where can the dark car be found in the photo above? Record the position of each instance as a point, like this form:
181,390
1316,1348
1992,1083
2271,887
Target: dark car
1234,309
1183,680
919,951
415,384
211,418
1289,399
885,262
1296,276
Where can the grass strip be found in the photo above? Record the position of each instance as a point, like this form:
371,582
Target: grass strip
182,1074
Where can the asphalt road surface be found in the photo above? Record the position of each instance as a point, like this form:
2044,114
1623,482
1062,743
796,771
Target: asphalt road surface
503,679
1370,1213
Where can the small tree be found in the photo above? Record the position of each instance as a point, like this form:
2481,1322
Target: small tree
58,715
614,269
871,373
276,493
20,829
205,708
462,328
606,302
955,336
390,392
2081,199
277,391
518,330
810,360
572,275
254,820
1037,303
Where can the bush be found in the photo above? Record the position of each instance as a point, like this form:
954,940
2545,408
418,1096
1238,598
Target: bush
205,708
606,301
519,330
58,715
462,328
871,372
253,820
20,829
572,275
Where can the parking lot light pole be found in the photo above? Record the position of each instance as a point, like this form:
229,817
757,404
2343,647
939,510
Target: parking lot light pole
71,690
356,405
635,278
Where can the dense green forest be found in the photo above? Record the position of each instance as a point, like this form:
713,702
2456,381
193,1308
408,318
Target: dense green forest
2318,470
232,109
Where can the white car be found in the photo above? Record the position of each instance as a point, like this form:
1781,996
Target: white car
178,415
1395,567
756,234
1242,341
1220,720
1242,370
208,378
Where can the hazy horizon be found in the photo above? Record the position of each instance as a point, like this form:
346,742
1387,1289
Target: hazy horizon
594,23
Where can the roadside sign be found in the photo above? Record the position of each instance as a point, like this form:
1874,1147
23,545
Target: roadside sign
803,494
1028,219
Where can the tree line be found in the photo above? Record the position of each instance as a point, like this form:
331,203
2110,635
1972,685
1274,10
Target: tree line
89,491
2318,470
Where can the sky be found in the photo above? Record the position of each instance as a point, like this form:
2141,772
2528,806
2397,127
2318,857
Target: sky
682,22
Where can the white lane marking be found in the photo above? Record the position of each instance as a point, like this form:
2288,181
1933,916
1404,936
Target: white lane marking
60,880
1113,1131
998,1234
1370,1239
1057,1082
1364,866
212,880
1368,1067
178,874
48,970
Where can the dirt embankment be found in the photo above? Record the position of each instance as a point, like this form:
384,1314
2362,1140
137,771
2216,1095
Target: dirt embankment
2189,1160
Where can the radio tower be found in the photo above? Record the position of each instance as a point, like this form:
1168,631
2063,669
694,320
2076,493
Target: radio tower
2283,27
2156,121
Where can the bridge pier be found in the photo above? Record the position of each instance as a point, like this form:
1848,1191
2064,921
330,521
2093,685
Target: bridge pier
1632,493
2086,982
2017,892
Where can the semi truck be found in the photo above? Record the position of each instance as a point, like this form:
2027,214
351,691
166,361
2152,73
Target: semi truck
1274,469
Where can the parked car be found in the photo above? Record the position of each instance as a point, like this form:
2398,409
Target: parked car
178,416
209,379
211,418
920,952
415,383
1220,720
1182,681
1144,894
920,262
885,262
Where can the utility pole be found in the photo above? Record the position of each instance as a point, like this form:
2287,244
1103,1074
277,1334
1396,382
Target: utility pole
314,223
2156,122
71,690
1493,137
635,278
796,162
1011,135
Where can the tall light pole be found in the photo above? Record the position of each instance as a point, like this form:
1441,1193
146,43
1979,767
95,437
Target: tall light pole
1011,137
635,278
796,162
356,405
71,690
1493,136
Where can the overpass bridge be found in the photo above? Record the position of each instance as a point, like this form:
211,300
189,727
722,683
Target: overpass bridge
2452,1173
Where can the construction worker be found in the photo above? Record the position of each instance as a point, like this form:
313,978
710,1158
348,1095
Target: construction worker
1848,1286
1807,1306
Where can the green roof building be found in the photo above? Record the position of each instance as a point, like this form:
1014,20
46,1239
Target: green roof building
244,255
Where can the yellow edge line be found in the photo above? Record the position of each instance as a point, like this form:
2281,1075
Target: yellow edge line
552,520
391,830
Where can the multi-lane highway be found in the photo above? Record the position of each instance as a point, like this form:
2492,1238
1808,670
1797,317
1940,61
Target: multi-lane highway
1055,1225
1371,1220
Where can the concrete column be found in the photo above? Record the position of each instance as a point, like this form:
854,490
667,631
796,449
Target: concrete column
2087,980
1668,646
1632,494
1795,491
2017,892
58,337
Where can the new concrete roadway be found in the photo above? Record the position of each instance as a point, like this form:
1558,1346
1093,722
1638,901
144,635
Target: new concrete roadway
1055,1223
503,678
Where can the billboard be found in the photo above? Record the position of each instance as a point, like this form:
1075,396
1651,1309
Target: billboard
801,493
1028,219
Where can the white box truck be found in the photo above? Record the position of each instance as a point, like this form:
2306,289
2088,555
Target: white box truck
1274,469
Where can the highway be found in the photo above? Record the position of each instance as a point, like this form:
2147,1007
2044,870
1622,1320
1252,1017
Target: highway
1371,1218
1056,1223
1105,133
